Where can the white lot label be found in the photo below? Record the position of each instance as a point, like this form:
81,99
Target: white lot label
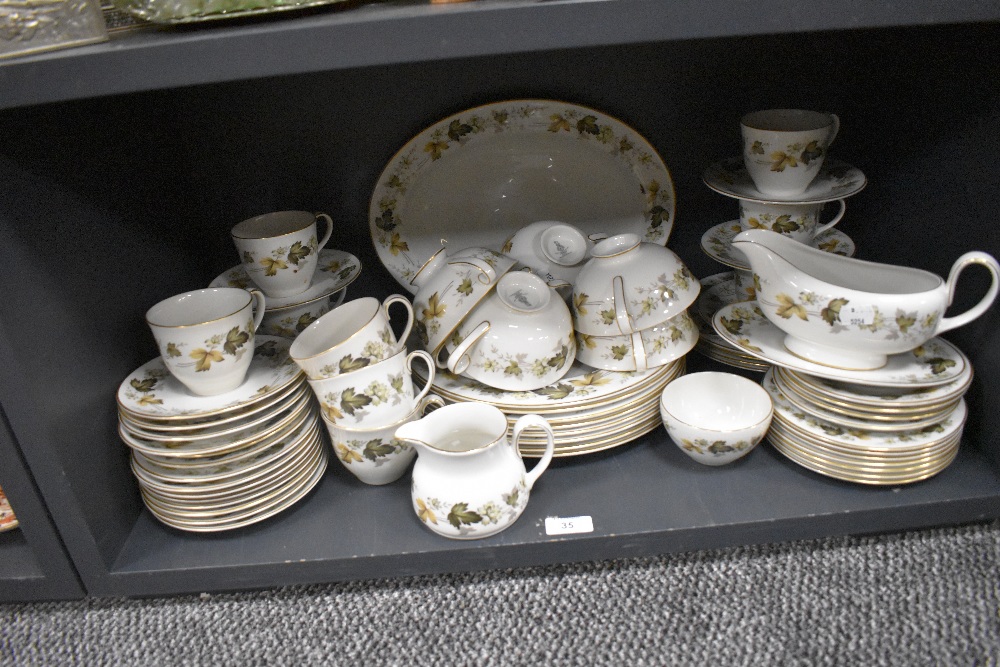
858,316
556,525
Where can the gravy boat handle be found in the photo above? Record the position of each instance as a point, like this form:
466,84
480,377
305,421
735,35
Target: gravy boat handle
969,258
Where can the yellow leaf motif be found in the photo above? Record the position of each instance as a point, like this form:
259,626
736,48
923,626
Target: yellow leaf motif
788,308
436,148
578,302
434,308
346,455
780,160
272,266
149,399
397,245
331,412
587,341
559,123
205,358
424,512
754,223
594,379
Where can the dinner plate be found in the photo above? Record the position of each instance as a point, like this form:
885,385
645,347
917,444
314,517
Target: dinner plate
836,180
476,177
152,392
717,243
879,399
335,271
936,362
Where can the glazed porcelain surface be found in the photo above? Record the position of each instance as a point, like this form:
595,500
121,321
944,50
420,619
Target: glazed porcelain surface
651,347
628,285
518,338
469,480
452,290
554,250
848,313
376,456
206,337
798,221
350,337
717,242
715,418
836,180
280,251
378,394
476,177
783,149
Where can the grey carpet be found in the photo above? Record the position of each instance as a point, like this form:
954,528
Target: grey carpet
918,598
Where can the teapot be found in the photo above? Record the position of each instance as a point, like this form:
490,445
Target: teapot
849,313
469,480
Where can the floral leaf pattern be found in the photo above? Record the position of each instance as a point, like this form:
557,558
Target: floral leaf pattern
463,518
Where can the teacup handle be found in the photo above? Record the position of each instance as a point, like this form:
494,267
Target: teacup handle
974,257
459,360
834,129
400,299
621,309
528,421
258,307
486,271
329,229
429,400
836,218
429,362
639,352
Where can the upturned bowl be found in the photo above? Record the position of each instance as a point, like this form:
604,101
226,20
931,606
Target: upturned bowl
655,346
629,285
715,418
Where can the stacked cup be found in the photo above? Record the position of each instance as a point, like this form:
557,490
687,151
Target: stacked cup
280,254
361,373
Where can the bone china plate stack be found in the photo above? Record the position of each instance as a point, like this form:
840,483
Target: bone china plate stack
207,464
866,434
589,410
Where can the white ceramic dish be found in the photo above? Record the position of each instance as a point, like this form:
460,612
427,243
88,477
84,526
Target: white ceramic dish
336,270
836,180
935,363
151,391
651,347
476,177
717,243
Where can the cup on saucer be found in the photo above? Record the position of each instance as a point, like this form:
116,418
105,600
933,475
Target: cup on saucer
783,149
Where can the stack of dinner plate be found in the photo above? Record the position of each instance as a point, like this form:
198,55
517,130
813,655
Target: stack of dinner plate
589,410
718,291
867,434
214,463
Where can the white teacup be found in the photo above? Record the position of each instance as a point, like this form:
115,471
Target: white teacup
783,149
279,250
373,396
206,337
350,337
798,221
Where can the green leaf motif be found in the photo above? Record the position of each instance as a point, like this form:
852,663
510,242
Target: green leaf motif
349,363
657,216
465,287
172,350
298,252
831,314
457,129
235,339
352,401
940,364
143,385
557,392
588,125
460,515
607,317
375,449
619,351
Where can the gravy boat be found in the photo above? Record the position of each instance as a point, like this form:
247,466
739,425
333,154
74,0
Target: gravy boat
848,313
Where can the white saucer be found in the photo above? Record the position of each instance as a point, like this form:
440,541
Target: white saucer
151,390
717,243
336,270
835,180
935,362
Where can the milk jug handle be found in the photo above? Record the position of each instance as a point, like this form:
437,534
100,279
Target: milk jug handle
528,421
974,257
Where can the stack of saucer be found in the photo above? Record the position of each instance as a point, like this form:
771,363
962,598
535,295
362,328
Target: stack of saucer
589,410
899,437
214,463
718,291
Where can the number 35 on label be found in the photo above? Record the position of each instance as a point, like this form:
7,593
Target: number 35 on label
568,525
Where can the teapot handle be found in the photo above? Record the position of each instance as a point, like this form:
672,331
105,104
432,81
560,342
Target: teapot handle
974,257
460,357
621,309
528,421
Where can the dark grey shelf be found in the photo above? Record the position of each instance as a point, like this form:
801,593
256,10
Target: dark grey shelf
124,192
645,498
360,34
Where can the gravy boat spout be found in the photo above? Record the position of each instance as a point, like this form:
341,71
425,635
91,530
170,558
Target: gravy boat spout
848,313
